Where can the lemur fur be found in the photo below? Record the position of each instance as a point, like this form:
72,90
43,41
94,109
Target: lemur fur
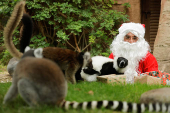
12,23
26,31
121,106
38,81
100,65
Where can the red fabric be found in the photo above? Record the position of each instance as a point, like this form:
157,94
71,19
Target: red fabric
146,65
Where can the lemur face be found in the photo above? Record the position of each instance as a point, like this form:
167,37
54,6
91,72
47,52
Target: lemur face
122,62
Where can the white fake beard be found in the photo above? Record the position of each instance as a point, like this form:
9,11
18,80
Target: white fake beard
134,52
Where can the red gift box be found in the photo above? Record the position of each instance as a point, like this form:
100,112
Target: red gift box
165,77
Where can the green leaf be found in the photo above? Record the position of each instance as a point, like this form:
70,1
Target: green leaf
51,22
62,35
92,39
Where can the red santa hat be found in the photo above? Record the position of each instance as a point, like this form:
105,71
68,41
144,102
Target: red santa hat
137,27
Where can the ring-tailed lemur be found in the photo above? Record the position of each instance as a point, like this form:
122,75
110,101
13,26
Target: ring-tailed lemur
41,81
68,60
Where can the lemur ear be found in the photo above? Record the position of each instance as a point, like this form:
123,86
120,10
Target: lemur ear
86,58
38,53
27,49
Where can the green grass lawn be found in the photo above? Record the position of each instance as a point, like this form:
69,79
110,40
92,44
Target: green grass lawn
83,91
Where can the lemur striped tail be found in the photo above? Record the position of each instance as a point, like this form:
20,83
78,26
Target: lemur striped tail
118,106
10,27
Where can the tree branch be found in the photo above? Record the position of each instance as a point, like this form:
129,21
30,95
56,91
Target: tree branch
76,43
80,37
62,14
71,45
41,29
86,46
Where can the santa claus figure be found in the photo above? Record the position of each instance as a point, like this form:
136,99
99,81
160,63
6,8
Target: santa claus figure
130,44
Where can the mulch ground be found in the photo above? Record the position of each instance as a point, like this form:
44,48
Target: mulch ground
5,77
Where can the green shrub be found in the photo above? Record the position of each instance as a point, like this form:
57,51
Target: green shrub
5,57
81,25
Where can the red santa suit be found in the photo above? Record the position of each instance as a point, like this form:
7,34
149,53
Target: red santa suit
149,63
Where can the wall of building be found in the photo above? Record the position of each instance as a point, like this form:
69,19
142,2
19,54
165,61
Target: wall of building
134,11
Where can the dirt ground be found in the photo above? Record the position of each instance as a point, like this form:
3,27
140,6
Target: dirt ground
5,77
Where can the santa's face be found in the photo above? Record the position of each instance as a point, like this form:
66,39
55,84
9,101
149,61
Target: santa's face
131,38
130,46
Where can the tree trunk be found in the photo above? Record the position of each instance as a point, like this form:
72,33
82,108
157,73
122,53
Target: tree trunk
162,41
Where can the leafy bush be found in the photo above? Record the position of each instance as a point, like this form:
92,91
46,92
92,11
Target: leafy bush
38,41
5,57
81,25
80,21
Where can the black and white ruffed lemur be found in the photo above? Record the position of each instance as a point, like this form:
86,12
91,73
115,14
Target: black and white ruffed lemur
100,65
41,81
